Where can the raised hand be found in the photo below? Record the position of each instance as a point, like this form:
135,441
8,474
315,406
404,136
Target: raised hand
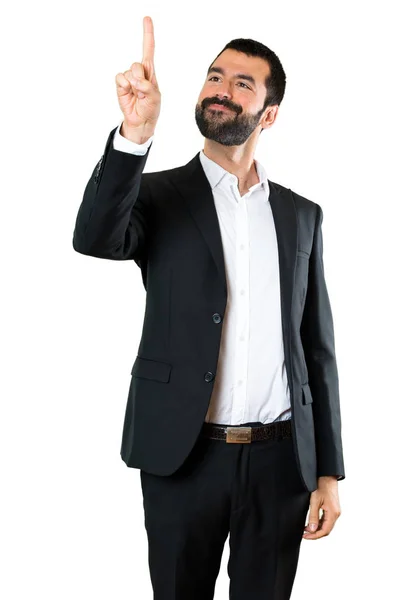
140,101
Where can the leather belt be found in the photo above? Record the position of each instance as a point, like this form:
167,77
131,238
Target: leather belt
241,434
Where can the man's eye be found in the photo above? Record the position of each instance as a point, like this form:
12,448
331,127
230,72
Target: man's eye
215,77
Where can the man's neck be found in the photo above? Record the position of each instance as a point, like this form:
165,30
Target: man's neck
238,160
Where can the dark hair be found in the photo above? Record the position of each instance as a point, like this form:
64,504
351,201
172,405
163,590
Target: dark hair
275,82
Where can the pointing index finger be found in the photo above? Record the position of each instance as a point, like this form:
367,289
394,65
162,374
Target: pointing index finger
148,39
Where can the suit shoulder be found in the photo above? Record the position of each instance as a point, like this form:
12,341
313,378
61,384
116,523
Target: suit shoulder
301,202
161,175
161,185
304,202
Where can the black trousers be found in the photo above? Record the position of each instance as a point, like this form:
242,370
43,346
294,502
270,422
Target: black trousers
252,492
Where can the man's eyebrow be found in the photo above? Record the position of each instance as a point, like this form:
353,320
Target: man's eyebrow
237,75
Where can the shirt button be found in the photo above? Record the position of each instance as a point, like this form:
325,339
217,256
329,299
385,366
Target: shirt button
242,338
240,382
209,376
242,246
242,292
217,318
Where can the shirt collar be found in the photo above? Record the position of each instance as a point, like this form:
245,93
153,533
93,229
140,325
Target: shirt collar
218,176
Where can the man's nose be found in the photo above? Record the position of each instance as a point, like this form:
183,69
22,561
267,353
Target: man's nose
223,95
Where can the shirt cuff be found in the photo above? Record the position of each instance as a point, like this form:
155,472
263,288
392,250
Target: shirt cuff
124,145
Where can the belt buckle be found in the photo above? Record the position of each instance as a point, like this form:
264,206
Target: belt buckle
239,435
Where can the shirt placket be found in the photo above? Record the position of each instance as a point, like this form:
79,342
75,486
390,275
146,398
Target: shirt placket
242,309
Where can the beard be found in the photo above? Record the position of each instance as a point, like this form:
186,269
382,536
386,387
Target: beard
227,127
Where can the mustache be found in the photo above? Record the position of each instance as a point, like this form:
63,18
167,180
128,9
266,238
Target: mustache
209,101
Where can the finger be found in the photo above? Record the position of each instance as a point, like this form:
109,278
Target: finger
313,516
315,536
124,85
326,525
148,39
137,70
126,82
154,80
141,85
143,70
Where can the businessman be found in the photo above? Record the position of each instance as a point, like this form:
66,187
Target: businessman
233,413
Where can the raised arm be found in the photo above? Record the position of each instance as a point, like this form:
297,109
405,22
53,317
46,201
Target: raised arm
112,220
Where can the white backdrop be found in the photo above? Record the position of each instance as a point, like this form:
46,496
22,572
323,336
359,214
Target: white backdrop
72,514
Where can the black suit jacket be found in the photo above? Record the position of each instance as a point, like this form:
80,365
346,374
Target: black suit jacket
167,223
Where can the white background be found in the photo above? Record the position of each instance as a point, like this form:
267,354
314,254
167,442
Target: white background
72,514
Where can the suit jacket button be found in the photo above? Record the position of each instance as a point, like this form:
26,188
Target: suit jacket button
217,318
209,376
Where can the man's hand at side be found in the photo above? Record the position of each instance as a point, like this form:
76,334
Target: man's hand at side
325,497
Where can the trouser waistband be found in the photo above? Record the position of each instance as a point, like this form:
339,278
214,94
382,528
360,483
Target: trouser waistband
244,434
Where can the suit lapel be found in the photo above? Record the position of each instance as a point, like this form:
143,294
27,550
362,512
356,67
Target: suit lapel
194,187
285,217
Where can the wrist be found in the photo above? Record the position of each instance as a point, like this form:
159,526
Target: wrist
327,479
136,135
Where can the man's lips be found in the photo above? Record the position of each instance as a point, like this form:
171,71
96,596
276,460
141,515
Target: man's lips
218,106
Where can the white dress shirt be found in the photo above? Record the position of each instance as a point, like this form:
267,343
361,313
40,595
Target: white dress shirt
251,381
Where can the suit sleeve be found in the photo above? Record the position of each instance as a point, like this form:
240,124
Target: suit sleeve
112,220
317,332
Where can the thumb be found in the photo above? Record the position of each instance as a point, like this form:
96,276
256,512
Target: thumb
313,520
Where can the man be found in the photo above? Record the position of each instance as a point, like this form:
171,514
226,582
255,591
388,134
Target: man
233,413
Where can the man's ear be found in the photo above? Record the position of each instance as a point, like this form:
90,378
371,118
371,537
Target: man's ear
271,116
